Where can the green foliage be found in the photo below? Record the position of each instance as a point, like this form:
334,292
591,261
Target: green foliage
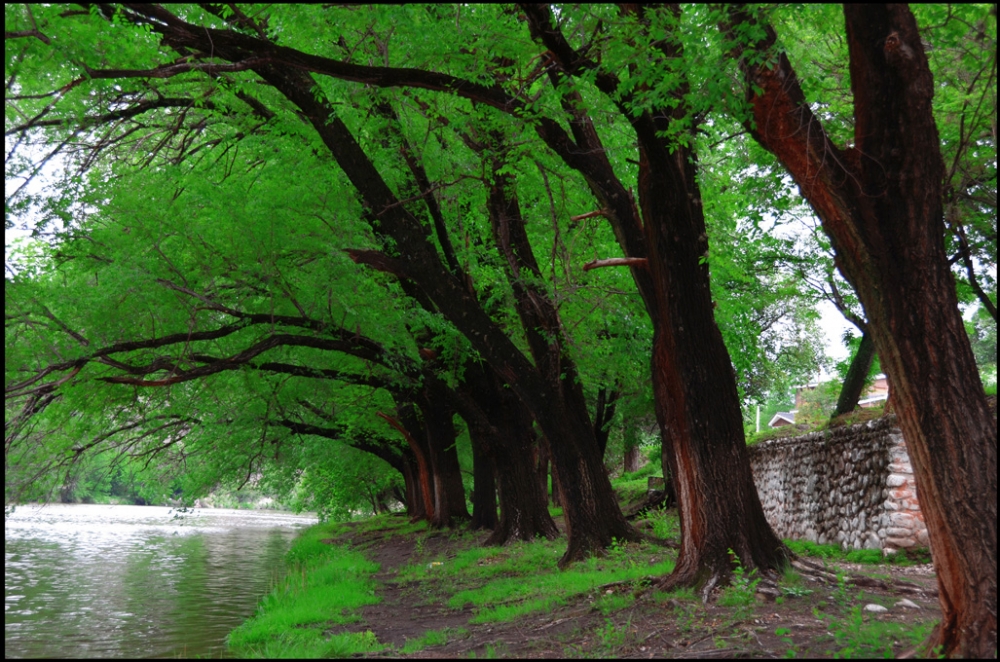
324,586
339,485
982,330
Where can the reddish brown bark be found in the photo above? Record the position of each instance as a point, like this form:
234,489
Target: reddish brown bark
424,482
697,402
881,205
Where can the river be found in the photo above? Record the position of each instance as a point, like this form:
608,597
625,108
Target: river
136,581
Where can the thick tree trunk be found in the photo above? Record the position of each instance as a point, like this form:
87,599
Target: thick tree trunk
484,489
508,442
881,205
696,399
413,432
697,403
523,514
857,374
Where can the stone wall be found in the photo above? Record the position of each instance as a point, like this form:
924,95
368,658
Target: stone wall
851,486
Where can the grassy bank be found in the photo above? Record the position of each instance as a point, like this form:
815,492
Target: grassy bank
324,586
385,586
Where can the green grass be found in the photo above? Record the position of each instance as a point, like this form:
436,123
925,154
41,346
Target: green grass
629,488
503,584
324,587
863,556
859,635
387,524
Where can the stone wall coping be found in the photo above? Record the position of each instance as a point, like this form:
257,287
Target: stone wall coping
841,434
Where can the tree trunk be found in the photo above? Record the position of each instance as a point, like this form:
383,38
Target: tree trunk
542,468
484,489
857,374
604,413
449,493
411,429
508,442
694,384
523,515
697,404
881,205
413,500
632,456
593,518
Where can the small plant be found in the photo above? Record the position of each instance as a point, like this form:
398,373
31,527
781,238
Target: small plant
740,593
665,524
611,636
795,591
840,596
429,638
782,634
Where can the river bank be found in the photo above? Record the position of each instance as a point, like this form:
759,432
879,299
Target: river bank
386,587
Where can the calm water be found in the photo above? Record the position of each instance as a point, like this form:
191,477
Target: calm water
136,581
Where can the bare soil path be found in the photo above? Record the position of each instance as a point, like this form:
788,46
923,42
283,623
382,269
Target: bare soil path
811,618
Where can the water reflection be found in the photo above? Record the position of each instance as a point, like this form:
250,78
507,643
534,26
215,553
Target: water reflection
135,581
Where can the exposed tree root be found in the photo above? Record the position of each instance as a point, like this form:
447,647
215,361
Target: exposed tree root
819,573
655,500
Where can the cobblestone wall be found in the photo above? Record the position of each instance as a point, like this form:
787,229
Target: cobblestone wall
851,486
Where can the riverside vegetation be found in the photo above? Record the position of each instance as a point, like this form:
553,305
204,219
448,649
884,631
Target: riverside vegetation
385,586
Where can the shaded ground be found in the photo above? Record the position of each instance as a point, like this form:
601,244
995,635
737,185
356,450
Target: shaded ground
810,618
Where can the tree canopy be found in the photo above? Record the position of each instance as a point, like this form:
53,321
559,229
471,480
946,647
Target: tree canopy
455,238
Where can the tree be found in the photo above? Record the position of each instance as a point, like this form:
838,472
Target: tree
664,235
222,68
373,256
881,204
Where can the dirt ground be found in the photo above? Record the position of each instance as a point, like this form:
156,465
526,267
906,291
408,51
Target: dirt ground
815,619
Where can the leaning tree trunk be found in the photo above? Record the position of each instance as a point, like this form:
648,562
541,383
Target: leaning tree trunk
594,521
857,374
881,205
416,437
696,399
697,403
